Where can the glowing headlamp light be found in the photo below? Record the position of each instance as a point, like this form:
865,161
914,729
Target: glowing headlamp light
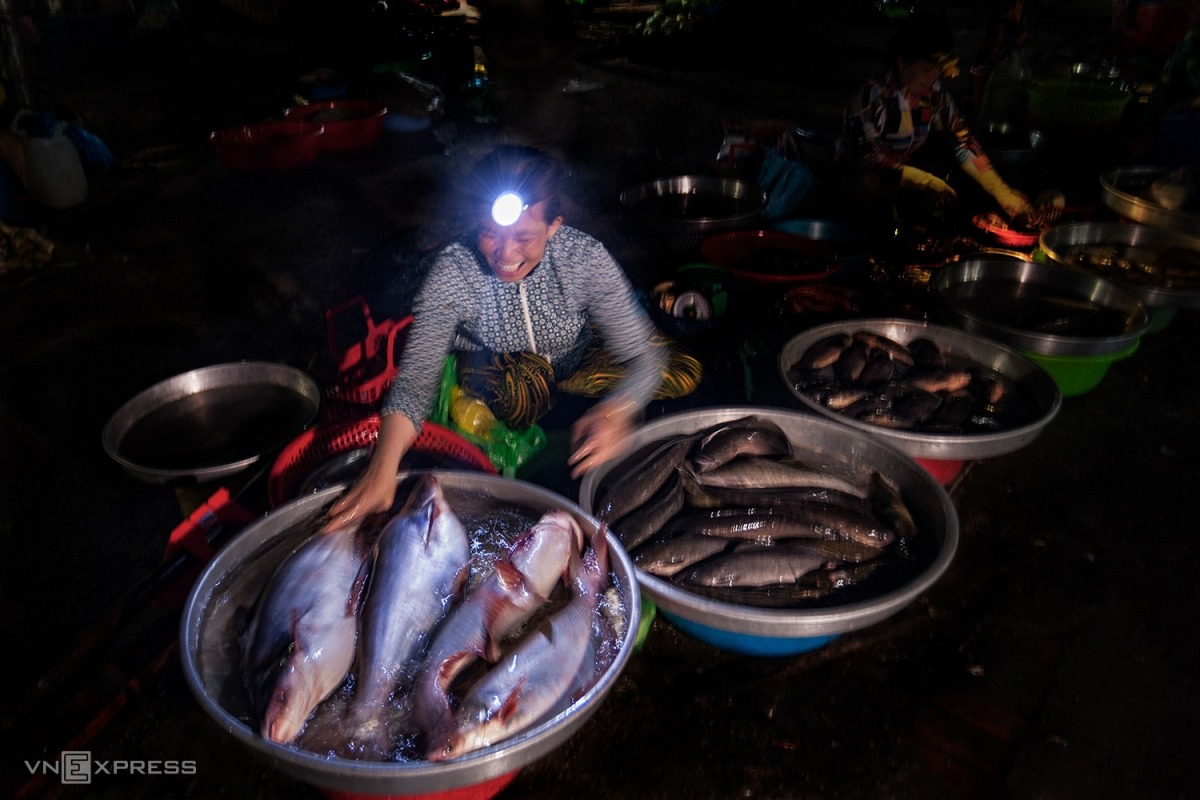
507,208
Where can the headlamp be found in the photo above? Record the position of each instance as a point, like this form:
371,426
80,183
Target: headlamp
507,208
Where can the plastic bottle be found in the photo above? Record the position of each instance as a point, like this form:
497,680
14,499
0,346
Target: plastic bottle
478,97
54,173
1006,96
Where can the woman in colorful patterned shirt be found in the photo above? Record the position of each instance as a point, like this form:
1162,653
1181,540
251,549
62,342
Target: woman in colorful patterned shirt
892,118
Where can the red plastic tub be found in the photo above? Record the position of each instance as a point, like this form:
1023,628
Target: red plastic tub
349,124
770,258
268,146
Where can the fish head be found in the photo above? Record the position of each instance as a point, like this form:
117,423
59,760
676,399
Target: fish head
287,707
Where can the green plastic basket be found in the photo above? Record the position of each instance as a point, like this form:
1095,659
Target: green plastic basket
1075,105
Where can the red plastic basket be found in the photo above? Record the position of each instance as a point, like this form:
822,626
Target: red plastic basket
365,370
317,445
747,256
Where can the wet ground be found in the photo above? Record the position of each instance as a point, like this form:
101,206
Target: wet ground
1056,658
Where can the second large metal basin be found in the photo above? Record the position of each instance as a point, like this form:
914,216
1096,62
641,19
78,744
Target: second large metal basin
783,631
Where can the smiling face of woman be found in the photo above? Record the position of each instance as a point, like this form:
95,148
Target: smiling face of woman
512,251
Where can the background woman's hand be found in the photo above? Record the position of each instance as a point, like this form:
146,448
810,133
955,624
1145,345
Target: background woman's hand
600,435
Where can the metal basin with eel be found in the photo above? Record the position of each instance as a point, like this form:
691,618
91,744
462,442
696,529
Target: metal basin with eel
491,508
1071,324
764,631
1160,267
943,453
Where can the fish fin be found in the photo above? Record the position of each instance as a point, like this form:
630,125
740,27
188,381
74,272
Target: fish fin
458,588
512,702
358,589
509,576
600,547
452,666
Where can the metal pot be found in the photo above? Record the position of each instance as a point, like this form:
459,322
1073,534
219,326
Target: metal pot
211,658
676,213
210,423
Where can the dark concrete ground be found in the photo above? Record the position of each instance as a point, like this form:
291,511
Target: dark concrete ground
1055,659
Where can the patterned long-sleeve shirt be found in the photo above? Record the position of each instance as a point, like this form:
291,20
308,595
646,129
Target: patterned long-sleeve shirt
578,285
885,125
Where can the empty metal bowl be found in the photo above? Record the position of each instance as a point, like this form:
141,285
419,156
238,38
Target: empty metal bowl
211,657
674,214
785,631
210,423
1011,147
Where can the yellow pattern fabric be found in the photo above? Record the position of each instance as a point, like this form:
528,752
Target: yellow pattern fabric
598,374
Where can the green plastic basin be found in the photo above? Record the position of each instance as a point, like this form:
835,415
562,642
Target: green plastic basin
1076,375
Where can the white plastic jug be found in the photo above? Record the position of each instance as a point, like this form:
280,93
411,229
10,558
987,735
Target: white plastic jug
53,170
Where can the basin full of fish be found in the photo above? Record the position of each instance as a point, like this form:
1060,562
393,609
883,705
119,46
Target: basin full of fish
773,522
483,614
933,391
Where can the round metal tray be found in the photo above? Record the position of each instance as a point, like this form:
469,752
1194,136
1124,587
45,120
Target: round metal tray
1060,242
983,352
817,441
211,658
1032,278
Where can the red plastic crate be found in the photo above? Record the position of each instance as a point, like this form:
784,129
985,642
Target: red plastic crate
366,369
318,444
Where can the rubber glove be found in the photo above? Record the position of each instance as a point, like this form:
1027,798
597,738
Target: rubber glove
913,178
1013,202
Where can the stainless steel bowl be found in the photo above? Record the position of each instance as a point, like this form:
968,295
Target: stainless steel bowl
983,352
1012,146
1127,192
818,441
210,654
210,423
676,213
1146,241
1027,279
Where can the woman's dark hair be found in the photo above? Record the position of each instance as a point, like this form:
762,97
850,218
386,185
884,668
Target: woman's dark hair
514,168
919,38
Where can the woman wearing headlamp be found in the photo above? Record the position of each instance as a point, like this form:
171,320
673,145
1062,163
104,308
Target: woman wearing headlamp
881,153
521,298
